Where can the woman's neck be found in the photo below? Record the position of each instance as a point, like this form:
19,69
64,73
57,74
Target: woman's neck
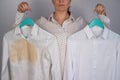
60,17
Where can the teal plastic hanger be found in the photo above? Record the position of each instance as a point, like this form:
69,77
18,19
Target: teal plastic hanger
96,22
27,21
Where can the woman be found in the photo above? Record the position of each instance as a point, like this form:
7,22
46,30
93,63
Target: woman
61,24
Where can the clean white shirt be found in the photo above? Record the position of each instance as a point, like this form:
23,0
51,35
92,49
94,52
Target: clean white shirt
24,50
68,27
91,57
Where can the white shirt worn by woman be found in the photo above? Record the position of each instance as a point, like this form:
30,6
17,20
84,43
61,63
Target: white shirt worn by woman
62,32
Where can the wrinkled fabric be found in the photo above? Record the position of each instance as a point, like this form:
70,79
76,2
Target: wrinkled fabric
62,33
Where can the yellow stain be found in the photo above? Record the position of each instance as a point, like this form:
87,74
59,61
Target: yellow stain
23,50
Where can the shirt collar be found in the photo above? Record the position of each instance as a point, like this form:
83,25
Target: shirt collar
90,34
51,18
34,31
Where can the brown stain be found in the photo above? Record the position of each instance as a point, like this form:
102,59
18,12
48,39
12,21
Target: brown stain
23,50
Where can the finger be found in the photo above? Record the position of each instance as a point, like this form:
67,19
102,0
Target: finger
28,7
97,8
20,5
24,7
20,9
103,12
24,2
100,10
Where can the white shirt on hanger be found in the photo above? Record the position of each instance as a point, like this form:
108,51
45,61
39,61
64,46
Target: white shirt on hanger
23,53
91,57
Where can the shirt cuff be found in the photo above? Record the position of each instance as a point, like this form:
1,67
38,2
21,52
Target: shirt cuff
104,19
18,18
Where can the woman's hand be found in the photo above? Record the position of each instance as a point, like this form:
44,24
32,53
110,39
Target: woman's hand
23,7
100,9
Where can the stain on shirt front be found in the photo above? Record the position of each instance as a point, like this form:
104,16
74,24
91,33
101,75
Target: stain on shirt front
23,50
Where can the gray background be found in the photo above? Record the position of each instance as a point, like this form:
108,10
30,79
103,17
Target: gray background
40,8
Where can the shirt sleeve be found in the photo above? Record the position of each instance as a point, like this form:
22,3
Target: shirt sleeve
81,21
118,63
104,19
18,18
46,64
78,24
5,70
42,21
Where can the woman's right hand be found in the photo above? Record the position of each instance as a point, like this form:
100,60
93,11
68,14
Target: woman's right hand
100,9
23,7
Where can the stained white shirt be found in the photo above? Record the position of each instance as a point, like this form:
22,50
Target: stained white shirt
24,50
91,57
68,27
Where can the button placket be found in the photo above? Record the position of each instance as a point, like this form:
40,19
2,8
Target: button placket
94,62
